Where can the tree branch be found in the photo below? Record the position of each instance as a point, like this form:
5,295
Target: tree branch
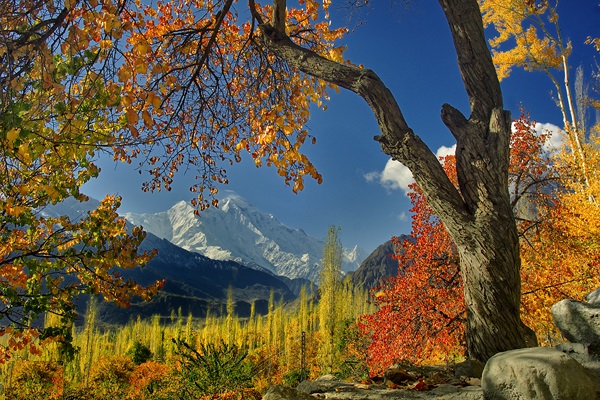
397,139
279,15
474,58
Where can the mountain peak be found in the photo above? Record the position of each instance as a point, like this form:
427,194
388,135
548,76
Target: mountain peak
240,232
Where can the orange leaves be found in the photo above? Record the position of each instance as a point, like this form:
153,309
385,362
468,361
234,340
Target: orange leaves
421,316
560,253
196,81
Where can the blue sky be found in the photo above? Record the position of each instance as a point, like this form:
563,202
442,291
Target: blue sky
412,51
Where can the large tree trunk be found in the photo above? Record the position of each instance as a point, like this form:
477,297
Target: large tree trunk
478,217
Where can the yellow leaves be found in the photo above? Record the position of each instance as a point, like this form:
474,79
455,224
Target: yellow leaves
154,100
336,54
106,44
132,116
532,48
24,153
141,48
13,211
12,135
287,130
593,41
52,193
141,66
127,99
148,120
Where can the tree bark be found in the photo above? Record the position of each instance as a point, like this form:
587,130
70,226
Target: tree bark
478,217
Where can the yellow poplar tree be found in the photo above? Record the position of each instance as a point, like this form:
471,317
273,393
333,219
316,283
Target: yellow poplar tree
329,290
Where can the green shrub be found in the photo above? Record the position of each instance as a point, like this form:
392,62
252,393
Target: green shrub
214,369
293,378
139,353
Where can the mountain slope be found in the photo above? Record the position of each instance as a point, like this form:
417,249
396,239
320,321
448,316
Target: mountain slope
241,232
194,282
377,266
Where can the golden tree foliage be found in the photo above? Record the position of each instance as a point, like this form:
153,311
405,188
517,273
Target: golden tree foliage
522,38
274,344
175,85
197,80
55,117
560,246
529,35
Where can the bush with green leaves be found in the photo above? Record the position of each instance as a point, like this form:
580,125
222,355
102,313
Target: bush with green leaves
294,377
214,368
139,353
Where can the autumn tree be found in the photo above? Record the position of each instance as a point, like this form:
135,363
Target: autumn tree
53,121
529,36
421,311
195,84
204,82
478,217
421,315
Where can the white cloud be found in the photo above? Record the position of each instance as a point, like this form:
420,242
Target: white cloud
557,136
396,176
446,151
372,176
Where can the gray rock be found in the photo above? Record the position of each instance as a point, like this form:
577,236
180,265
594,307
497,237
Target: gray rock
578,322
580,353
593,297
571,348
469,369
539,373
309,387
327,378
279,392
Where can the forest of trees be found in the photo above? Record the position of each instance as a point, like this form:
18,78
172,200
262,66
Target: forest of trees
193,85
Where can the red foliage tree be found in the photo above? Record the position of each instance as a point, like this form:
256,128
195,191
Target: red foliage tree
422,314
422,310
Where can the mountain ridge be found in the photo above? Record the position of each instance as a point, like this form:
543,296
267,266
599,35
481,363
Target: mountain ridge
240,232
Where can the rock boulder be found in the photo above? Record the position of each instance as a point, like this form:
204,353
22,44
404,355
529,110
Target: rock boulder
578,322
536,373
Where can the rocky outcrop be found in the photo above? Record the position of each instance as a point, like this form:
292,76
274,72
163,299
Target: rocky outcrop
539,373
280,392
571,371
593,297
579,322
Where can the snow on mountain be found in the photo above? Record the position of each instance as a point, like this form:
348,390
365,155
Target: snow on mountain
239,231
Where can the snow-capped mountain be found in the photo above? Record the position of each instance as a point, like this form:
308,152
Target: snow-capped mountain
239,231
